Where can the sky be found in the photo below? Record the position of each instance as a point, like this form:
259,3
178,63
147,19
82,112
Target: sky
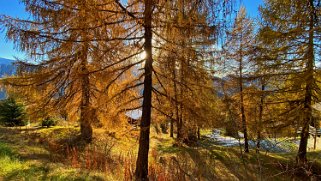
16,9
252,7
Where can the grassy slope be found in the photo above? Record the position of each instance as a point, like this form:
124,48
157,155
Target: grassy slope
30,155
25,156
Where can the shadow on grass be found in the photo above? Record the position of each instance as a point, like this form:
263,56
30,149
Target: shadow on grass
168,149
6,151
40,144
213,162
43,173
204,163
35,156
17,156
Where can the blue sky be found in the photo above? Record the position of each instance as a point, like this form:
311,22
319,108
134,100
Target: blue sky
16,9
252,6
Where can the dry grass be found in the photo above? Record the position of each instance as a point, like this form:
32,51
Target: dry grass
56,154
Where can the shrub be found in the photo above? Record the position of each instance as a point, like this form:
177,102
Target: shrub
12,113
48,122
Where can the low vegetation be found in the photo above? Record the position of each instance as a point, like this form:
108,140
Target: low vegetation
48,122
12,113
53,154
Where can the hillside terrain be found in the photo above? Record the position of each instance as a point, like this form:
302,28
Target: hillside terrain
51,154
6,68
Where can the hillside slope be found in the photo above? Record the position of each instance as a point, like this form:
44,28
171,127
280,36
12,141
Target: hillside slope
6,68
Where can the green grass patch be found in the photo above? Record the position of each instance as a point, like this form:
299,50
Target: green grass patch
9,160
206,131
168,149
14,168
58,132
5,150
24,155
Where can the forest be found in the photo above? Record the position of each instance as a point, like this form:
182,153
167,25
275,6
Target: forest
162,90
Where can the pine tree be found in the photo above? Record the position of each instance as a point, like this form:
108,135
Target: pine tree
12,113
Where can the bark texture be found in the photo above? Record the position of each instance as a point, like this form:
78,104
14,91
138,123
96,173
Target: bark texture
141,173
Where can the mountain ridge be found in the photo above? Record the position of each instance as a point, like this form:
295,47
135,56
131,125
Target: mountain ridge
6,61
7,68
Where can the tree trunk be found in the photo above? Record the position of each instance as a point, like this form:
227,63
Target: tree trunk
141,173
230,125
177,107
315,125
198,133
243,118
176,100
85,117
85,123
301,156
315,141
259,126
180,130
246,143
171,128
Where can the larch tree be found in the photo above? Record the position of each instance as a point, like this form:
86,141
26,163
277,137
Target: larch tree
266,81
293,29
262,78
141,172
68,42
71,37
149,15
238,50
181,70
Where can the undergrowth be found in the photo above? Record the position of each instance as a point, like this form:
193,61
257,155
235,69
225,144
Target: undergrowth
57,154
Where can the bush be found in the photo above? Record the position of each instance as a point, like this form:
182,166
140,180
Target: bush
48,122
12,113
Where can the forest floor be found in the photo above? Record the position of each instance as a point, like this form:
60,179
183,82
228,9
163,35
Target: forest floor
55,154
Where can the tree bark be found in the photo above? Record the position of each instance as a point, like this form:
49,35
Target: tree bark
141,173
85,118
85,123
171,129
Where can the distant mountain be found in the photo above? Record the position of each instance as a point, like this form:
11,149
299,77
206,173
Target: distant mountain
231,79
4,61
6,68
